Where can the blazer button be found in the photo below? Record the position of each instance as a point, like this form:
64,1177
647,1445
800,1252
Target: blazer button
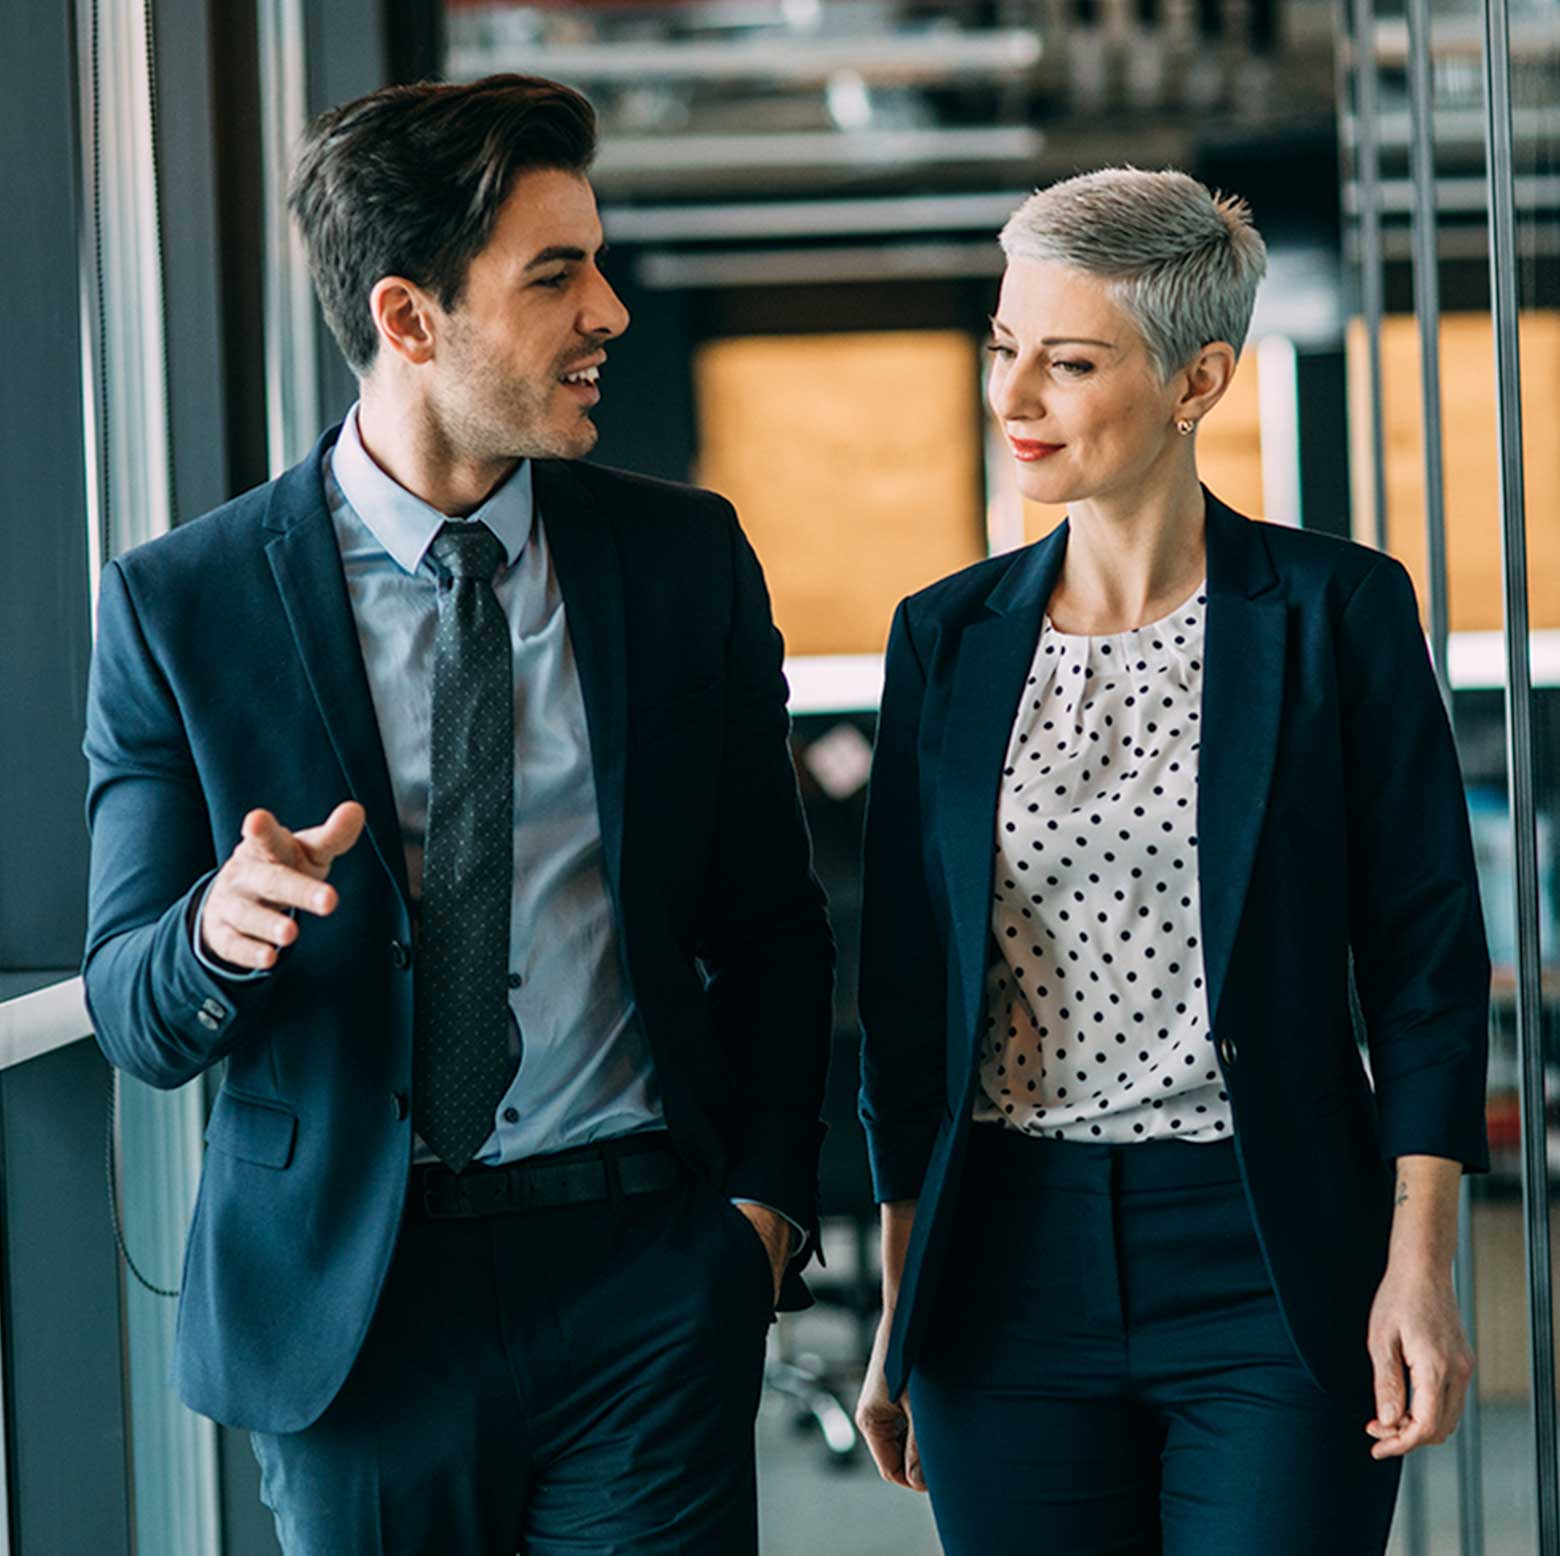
401,954
1228,1051
398,1106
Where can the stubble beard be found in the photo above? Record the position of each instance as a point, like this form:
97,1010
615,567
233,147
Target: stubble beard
497,417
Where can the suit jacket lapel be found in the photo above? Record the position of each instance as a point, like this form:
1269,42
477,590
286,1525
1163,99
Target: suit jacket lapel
590,574
993,660
306,564
1242,708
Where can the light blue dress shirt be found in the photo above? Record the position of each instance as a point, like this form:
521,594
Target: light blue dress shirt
584,1067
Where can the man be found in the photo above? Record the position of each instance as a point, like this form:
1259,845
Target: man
518,965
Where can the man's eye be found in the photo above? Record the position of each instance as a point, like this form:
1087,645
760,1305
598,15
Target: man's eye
557,281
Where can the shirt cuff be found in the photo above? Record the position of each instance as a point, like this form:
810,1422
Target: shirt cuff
213,964
798,1233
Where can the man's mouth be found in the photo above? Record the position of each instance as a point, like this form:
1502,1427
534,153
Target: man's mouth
580,383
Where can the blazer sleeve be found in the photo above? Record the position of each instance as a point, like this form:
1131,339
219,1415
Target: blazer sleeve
157,1012
903,975
765,940
1421,963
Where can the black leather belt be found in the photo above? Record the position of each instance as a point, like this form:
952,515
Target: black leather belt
582,1176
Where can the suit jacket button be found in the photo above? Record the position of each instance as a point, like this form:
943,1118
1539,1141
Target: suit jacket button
398,1106
401,954
1228,1051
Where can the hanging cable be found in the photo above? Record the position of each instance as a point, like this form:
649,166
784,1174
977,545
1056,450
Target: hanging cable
109,1156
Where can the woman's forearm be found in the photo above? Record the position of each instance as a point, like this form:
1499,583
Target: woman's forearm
898,1218
1424,1213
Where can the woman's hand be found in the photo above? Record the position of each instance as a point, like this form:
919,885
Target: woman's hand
886,1423
1422,1363
1420,1356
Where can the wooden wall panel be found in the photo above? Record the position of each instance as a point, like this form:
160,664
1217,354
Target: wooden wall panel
1471,460
854,461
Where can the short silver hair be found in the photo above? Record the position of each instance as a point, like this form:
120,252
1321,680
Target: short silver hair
1181,262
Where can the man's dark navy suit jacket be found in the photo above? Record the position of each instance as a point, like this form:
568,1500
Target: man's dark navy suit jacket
1330,819
227,675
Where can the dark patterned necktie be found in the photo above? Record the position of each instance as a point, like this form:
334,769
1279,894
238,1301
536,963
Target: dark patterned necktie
462,1065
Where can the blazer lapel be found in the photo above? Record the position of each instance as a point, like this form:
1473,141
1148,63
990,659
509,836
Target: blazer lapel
993,661
1242,707
306,564
590,574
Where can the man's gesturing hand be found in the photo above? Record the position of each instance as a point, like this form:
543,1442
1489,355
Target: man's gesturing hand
244,920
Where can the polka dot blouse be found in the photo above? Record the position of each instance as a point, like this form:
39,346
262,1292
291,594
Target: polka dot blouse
1097,1011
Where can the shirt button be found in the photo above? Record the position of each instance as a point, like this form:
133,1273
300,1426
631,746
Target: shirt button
401,954
1228,1051
511,1115
398,1105
514,980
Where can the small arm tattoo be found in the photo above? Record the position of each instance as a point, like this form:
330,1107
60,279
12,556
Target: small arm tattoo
1402,1193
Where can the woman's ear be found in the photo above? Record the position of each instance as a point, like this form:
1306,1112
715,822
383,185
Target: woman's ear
1208,375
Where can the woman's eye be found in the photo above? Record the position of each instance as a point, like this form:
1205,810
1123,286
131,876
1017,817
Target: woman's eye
997,349
1076,369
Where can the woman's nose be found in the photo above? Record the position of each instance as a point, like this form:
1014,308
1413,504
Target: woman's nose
1013,398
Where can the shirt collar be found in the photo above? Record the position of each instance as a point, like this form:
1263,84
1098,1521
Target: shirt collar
404,524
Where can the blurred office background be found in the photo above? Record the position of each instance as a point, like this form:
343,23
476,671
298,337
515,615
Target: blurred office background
801,198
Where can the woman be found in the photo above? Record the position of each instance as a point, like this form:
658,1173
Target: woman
1162,1270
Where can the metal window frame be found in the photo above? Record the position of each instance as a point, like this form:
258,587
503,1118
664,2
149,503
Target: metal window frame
1500,174
1427,309
292,366
130,464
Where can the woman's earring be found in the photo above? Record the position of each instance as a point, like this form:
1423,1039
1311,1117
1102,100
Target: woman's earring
1186,428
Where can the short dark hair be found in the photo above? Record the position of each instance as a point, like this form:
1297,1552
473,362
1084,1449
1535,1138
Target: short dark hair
409,180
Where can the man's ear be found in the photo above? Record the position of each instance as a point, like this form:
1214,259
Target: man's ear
404,315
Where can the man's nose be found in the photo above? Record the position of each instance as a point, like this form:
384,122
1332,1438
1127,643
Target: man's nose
603,312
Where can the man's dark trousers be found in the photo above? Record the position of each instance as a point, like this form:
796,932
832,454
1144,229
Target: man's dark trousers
574,1380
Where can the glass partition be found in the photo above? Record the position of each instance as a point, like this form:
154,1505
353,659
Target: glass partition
1455,381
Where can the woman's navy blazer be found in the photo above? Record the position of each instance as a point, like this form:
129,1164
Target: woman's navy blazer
1330,820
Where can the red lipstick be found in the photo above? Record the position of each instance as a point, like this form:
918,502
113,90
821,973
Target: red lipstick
1028,451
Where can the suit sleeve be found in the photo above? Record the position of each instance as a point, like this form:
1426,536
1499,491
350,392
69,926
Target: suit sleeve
766,943
1422,967
903,979
158,1014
